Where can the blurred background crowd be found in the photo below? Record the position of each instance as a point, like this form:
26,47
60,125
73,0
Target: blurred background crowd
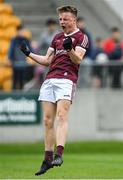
36,22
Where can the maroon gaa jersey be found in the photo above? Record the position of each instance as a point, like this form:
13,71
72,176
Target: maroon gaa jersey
61,65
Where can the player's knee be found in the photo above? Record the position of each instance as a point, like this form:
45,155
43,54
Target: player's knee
61,116
48,122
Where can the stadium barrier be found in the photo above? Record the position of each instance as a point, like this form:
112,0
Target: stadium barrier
104,71
19,107
96,113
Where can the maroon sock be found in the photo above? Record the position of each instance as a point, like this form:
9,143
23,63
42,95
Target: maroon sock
60,150
49,155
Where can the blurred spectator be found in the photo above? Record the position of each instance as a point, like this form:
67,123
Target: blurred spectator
47,36
98,48
81,25
100,58
113,46
37,80
17,58
45,40
85,71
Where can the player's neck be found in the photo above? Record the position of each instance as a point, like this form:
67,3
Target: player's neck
68,33
70,29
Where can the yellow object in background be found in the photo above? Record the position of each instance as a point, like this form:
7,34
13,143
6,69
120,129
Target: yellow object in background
5,8
8,26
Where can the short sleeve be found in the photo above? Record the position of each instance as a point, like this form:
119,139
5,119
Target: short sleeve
82,42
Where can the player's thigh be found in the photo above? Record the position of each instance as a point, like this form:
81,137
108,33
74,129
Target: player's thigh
49,110
63,107
46,92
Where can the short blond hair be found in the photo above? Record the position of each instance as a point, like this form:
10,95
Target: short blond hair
70,9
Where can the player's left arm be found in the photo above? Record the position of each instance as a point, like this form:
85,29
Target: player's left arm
77,54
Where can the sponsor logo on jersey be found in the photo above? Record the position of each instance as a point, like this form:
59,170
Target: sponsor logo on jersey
60,51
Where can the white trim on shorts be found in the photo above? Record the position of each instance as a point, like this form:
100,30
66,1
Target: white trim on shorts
55,89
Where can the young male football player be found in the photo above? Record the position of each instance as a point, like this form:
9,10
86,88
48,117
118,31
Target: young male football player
63,58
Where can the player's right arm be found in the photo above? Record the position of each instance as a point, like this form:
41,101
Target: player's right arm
43,60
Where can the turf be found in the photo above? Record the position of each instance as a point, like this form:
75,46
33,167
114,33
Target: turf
83,160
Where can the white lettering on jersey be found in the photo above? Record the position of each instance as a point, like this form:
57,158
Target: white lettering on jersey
60,51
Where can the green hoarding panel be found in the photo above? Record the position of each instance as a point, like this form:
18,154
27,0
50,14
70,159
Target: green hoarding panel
20,108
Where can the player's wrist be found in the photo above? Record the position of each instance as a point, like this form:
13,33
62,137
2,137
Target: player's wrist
69,50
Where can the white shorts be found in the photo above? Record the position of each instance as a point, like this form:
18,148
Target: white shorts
55,89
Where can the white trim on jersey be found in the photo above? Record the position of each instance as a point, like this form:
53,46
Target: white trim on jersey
71,33
85,41
80,48
51,48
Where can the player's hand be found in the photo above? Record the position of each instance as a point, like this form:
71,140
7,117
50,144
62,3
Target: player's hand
24,48
67,44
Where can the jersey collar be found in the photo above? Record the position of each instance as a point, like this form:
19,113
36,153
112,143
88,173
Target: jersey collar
71,33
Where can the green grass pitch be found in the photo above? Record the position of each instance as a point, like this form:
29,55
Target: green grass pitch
82,160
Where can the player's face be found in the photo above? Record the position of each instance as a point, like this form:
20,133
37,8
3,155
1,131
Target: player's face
67,22
116,36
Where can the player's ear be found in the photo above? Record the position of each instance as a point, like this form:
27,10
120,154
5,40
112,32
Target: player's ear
75,19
